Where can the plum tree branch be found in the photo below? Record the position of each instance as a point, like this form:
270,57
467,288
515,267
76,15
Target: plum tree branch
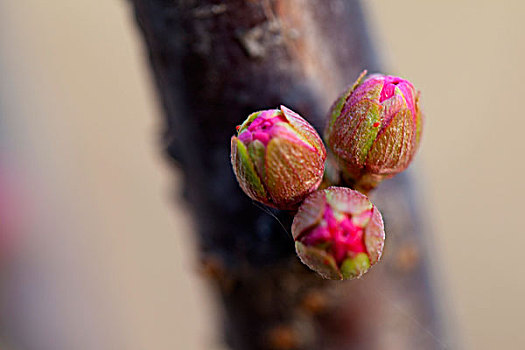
214,62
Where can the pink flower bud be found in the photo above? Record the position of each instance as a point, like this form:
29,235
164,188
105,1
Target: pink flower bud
277,157
338,233
374,129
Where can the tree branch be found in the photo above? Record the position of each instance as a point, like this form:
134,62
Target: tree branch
214,63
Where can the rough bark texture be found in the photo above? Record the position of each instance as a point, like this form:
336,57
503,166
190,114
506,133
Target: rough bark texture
214,63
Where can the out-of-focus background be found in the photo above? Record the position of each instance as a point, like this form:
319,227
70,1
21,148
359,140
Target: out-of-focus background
95,251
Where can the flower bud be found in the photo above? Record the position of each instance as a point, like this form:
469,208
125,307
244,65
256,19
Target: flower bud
278,158
338,233
374,129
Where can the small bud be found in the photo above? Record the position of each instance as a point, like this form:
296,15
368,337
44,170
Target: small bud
278,158
374,129
338,233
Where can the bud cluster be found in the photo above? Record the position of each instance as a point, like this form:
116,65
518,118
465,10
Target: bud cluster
373,132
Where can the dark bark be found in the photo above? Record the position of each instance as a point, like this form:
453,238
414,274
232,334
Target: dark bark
214,63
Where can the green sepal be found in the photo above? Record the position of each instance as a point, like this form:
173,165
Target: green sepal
340,201
292,171
319,261
355,267
257,150
245,170
354,134
391,149
340,103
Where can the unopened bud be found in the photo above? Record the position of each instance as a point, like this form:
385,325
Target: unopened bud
338,233
278,158
374,129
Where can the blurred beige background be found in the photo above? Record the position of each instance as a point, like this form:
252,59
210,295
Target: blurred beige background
104,258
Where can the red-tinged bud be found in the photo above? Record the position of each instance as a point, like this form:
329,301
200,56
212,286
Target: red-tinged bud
278,158
338,233
374,129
